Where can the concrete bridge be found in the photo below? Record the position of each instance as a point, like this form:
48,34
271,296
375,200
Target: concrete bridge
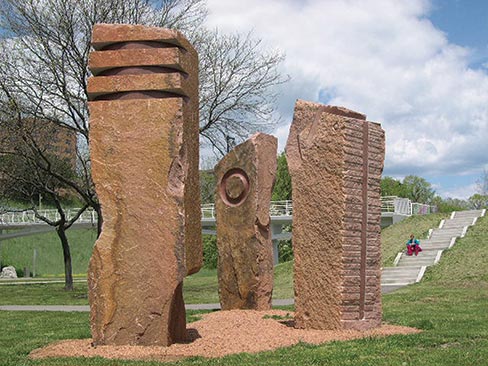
24,223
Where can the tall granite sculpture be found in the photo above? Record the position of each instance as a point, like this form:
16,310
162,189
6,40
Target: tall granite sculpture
245,179
144,152
335,158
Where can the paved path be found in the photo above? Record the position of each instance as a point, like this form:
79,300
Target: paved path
411,269
85,308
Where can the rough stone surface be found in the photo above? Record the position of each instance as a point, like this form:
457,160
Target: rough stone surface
144,152
8,272
245,179
335,158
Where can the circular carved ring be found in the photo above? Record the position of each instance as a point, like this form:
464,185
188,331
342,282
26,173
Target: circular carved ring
234,187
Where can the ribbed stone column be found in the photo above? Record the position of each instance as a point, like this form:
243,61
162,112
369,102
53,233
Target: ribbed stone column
335,158
144,153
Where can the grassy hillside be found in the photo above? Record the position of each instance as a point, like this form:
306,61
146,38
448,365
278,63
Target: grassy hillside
18,252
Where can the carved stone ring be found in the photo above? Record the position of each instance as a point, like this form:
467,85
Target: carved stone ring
234,187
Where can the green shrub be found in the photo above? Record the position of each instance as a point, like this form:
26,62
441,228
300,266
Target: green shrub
210,253
285,250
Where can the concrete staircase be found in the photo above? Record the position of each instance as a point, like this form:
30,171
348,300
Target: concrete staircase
411,269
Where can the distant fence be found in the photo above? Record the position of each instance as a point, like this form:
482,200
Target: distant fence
404,206
397,205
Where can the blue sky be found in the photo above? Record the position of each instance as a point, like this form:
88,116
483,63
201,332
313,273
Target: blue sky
465,23
419,67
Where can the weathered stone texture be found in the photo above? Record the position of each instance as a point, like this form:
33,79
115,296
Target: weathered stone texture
336,220
144,152
245,179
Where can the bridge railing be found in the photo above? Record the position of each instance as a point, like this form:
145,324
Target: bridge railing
276,208
397,205
404,206
29,216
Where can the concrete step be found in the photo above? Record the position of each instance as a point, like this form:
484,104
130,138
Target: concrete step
419,260
393,270
397,275
434,248
430,245
387,288
463,221
471,213
445,236
448,231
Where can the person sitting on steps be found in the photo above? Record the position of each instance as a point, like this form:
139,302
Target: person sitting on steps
413,246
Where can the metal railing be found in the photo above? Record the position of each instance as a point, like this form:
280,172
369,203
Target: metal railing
276,208
404,206
397,205
29,216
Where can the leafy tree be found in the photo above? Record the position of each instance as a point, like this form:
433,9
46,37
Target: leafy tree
450,204
417,189
282,187
207,186
478,201
391,187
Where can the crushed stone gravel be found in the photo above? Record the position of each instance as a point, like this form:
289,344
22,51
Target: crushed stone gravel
218,334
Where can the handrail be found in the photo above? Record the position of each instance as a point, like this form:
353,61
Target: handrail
389,204
404,206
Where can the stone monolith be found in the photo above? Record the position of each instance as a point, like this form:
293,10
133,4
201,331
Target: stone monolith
144,153
245,179
335,158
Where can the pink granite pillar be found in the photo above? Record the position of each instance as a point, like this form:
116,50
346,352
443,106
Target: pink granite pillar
335,158
144,152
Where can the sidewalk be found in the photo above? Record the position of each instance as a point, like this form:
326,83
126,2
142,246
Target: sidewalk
86,308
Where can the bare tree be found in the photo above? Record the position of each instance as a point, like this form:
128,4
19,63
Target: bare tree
29,169
45,49
237,87
482,183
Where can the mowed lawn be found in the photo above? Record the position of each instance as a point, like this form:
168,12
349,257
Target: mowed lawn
450,305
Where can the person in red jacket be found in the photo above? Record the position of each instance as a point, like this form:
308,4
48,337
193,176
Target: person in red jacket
413,246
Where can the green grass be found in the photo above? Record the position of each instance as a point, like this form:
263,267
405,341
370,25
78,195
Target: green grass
202,287
199,288
449,305
394,237
19,252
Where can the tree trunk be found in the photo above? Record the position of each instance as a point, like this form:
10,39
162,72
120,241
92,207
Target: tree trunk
98,210
68,270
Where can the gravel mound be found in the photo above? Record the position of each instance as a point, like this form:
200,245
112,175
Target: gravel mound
218,334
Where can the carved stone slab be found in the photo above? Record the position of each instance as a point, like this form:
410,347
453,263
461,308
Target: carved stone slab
245,179
144,152
335,158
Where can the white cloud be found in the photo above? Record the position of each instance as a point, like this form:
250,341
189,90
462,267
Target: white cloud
460,192
385,59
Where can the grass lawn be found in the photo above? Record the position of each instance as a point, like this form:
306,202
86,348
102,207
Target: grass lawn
450,305
199,288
